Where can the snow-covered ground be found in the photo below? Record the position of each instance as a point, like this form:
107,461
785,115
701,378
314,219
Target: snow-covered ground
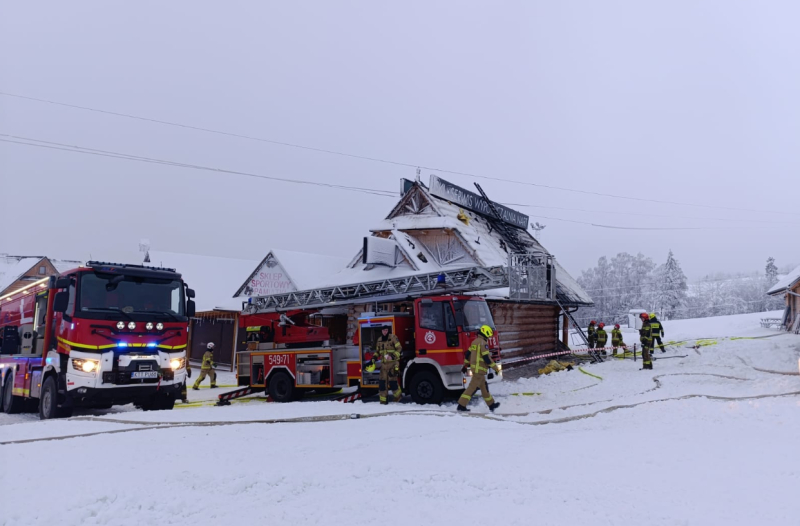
708,437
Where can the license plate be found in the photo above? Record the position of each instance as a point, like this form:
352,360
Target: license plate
144,374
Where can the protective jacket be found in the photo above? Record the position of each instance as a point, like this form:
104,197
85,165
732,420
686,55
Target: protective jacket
478,358
208,361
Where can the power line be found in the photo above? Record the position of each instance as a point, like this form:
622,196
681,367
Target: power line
387,161
130,157
15,139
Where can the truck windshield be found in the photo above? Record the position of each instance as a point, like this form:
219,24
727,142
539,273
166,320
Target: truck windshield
473,313
116,296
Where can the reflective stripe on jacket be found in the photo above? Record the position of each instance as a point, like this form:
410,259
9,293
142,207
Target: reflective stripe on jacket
391,346
478,358
208,361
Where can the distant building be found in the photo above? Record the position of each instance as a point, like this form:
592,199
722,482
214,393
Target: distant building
789,288
19,273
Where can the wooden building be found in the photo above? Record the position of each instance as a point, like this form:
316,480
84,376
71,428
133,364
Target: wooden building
789,288
22,272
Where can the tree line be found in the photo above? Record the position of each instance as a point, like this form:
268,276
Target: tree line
627,282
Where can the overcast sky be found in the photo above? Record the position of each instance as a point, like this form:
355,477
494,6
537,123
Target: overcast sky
684,101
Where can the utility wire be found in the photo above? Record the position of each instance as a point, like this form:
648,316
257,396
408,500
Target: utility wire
387,161
27,141
129,157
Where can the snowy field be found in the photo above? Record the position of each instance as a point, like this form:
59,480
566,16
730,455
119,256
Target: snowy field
710,436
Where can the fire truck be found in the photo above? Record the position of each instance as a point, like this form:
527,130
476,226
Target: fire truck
100,335
434,337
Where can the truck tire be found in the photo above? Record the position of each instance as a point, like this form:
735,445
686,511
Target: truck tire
426,388
11,404
281,387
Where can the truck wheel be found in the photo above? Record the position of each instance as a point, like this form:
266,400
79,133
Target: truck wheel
426,388
11,404
48,400
281,387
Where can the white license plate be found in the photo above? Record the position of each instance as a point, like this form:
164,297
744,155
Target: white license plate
144,374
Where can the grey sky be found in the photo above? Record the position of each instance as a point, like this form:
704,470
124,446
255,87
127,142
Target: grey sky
681,101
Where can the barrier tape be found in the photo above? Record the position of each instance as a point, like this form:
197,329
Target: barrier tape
559,353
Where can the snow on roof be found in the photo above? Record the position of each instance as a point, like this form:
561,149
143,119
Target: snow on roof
286,271
63,265
13,267
787,282
485,243
214,279
309,270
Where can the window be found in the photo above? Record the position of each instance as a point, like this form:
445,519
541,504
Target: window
431,316
42,270
71,303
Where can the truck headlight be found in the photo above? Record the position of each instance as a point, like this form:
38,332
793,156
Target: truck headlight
159,326
131,325
177,363
87,366
149,326
120,325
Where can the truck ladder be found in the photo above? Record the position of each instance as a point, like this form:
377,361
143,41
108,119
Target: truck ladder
468,279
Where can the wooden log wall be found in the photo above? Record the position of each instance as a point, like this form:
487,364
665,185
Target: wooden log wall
525,329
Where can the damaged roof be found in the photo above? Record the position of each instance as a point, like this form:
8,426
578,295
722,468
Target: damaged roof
420,214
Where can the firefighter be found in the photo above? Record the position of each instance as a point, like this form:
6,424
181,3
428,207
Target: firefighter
658,331
480,361
592,334
207,368
646,337
616,339
184,396
388,349
602,338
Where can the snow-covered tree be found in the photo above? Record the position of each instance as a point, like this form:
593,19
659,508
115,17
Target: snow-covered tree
771,272
670,287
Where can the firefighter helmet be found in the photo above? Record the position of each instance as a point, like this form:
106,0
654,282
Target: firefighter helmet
644,316
592,322
616,325
602,325
210,345
652,315
487,331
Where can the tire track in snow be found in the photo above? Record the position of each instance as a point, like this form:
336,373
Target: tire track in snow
147,426
768,371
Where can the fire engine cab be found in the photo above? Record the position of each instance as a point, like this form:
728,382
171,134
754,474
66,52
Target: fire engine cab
100,335
434,338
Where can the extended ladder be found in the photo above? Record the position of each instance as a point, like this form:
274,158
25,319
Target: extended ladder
468,279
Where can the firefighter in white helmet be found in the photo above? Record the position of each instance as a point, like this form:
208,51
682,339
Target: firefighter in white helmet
207,368
480,361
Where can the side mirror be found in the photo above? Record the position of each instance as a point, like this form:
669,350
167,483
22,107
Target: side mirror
189,292
62,283
190,308
61,301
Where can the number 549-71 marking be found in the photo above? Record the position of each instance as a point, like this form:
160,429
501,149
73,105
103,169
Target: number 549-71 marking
279,359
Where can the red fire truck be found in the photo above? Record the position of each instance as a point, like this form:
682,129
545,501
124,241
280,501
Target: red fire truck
100,335
434,337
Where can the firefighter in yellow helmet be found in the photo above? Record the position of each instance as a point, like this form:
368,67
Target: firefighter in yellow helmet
207,368
388,350
658,332
480,361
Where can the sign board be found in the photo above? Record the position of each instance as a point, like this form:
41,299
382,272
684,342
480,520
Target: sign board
471,201
270,279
